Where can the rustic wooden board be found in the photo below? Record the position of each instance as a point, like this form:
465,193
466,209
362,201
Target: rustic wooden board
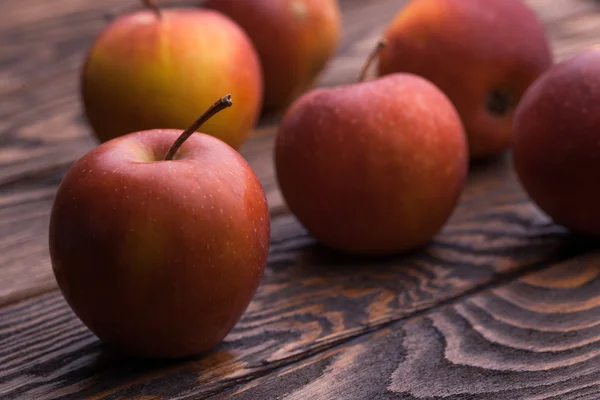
312,304
537,338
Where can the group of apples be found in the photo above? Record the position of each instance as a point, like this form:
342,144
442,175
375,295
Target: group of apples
159,236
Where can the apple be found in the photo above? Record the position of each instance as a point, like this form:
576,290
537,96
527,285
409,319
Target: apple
483,54
557,142
373,167
154,68
158,240
294,38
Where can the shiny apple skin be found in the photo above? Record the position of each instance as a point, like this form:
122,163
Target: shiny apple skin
159,258
556,152
375,167
142,72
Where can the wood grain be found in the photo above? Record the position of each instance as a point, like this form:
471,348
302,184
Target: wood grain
321,325
537,338
309,301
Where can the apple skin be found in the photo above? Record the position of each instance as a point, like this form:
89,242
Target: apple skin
482,53
556,152
372,168
294,38
159,258
147,73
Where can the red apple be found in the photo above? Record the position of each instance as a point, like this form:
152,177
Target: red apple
482,53
374,167
158,255
294,38
156,68
557,142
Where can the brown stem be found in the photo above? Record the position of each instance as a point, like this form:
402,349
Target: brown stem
151,4
219,105
380,45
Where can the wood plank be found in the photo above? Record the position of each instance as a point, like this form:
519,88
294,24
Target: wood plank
309,301
538,338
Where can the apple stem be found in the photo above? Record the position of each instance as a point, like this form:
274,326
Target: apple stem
221,104
151,4
380,45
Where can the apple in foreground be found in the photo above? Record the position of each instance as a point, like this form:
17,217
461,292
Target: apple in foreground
557,142
374,167
483,54
156,68
158,243
294,39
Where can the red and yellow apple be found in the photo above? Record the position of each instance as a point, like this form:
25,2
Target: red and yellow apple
158,255
483,54
155,70
294,38
375,167
557,142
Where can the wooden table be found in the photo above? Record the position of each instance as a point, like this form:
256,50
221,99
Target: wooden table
503,304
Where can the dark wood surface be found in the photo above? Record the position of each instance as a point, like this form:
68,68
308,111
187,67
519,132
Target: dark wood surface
502,304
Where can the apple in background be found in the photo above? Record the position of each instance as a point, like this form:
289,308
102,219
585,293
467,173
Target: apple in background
557,142
374,167
159,255
294,38
483,54
156,68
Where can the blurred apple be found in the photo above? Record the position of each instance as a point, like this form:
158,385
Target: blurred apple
156,68
482,53
159,246
294,38
557,142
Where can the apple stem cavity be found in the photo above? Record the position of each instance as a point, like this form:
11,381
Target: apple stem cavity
363,73
499,103
151,4
221,104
